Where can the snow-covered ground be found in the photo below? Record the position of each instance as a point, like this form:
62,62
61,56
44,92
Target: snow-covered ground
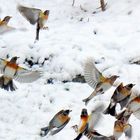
110,37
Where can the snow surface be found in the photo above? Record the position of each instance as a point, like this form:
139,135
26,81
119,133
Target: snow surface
110,37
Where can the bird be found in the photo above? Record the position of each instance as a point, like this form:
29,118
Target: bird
11,70
35,16
87,124
122,96
133,107
122,125
5,20
4,27
57,123
96,80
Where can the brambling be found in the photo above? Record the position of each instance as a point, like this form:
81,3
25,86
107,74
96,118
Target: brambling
122,126
133,107
58,122
96,80
4,27
87,124
121,95
11,70
34,15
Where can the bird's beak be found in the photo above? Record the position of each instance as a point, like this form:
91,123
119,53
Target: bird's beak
134,85
70,110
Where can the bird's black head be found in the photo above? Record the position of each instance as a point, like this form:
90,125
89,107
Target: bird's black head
46,12
7,18
130,86
84,112
14,59
66,112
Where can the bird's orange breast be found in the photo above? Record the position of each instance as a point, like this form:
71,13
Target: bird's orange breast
63,118
137,99
12,65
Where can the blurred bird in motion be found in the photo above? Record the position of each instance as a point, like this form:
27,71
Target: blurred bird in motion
11,70
34,15
122,125
122,96
4,25
96,80
87,124
57,123
133,107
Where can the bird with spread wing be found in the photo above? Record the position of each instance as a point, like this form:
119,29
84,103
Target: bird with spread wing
11,70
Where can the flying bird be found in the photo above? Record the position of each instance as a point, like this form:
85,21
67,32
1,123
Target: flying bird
96,80
35,16
122,96
57,123
4,27
11,70
87,124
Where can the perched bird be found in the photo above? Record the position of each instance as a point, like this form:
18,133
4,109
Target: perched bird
122,126
57,123
96,80
87,124
11,70
122,96
34,15
4,25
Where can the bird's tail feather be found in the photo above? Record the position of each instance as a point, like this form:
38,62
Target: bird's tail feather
86,100
8,85
44,131
111,109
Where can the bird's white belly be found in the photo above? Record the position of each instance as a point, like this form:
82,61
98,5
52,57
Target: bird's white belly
9,72
106,87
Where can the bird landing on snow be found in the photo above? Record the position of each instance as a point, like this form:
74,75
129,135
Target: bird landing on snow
35,16
11,70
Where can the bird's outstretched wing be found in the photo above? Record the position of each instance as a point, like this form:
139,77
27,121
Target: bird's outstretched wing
2,65
5,29
91,73
95,116
31,14
27,76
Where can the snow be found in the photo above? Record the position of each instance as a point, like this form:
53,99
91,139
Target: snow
110,37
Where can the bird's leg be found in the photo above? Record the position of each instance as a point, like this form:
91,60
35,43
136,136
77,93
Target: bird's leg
37,31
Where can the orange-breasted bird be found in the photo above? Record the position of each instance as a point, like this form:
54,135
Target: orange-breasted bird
121,126
122,96
11,70
5,20
4,25
87,124
57,123
133,107
96,80
34,15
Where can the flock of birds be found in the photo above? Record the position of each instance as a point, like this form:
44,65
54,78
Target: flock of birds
122,95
